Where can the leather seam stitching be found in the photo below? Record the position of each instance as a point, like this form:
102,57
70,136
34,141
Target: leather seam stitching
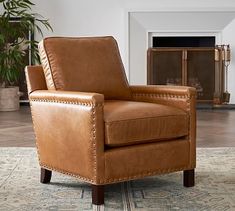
144,118
123,70
49,64
143,140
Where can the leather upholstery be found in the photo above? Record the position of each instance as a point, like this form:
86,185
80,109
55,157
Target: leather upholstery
69,131
138,161
68,62
129,122
176,96
35,78
72,127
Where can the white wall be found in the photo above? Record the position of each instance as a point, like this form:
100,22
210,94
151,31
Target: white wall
229,38
84,18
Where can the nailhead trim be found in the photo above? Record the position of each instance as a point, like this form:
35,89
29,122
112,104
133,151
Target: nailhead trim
165,95
150,173
34,132
119,179
65,172
93,141
90,104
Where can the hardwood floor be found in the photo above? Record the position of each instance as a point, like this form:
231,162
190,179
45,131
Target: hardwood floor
215,128
16,128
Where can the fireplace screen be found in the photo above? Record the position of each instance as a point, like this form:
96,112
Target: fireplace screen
201,68
201,73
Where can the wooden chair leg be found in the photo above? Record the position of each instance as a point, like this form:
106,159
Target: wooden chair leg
189,178
45,176
97,194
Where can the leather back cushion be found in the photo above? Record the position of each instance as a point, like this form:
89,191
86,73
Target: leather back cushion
90,64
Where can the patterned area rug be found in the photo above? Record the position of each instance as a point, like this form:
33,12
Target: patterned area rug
20,189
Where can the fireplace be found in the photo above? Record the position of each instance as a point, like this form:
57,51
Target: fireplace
189,61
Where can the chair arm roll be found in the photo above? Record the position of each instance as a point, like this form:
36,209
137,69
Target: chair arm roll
68,97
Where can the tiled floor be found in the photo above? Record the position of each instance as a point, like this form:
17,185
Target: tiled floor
215,128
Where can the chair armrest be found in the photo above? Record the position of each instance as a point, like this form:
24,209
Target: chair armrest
68,97
182,97
69,132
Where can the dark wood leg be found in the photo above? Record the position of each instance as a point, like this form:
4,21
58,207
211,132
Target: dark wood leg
98,194
189,178
45,176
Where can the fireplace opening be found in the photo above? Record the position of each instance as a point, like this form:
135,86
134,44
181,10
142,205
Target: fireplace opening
188,61
193,41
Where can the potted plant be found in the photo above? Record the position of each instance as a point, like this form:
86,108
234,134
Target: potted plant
16,22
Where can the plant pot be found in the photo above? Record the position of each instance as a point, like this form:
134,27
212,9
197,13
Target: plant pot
9,99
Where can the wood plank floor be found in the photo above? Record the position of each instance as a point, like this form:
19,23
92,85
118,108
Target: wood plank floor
215,128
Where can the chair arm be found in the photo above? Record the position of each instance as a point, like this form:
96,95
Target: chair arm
68,97
177,96
182,97
69,132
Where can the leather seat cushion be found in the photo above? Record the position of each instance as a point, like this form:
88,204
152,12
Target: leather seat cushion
130,122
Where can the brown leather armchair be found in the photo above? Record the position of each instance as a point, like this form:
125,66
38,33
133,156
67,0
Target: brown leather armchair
90,124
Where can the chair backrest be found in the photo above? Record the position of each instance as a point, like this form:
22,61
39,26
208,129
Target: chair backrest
86,64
